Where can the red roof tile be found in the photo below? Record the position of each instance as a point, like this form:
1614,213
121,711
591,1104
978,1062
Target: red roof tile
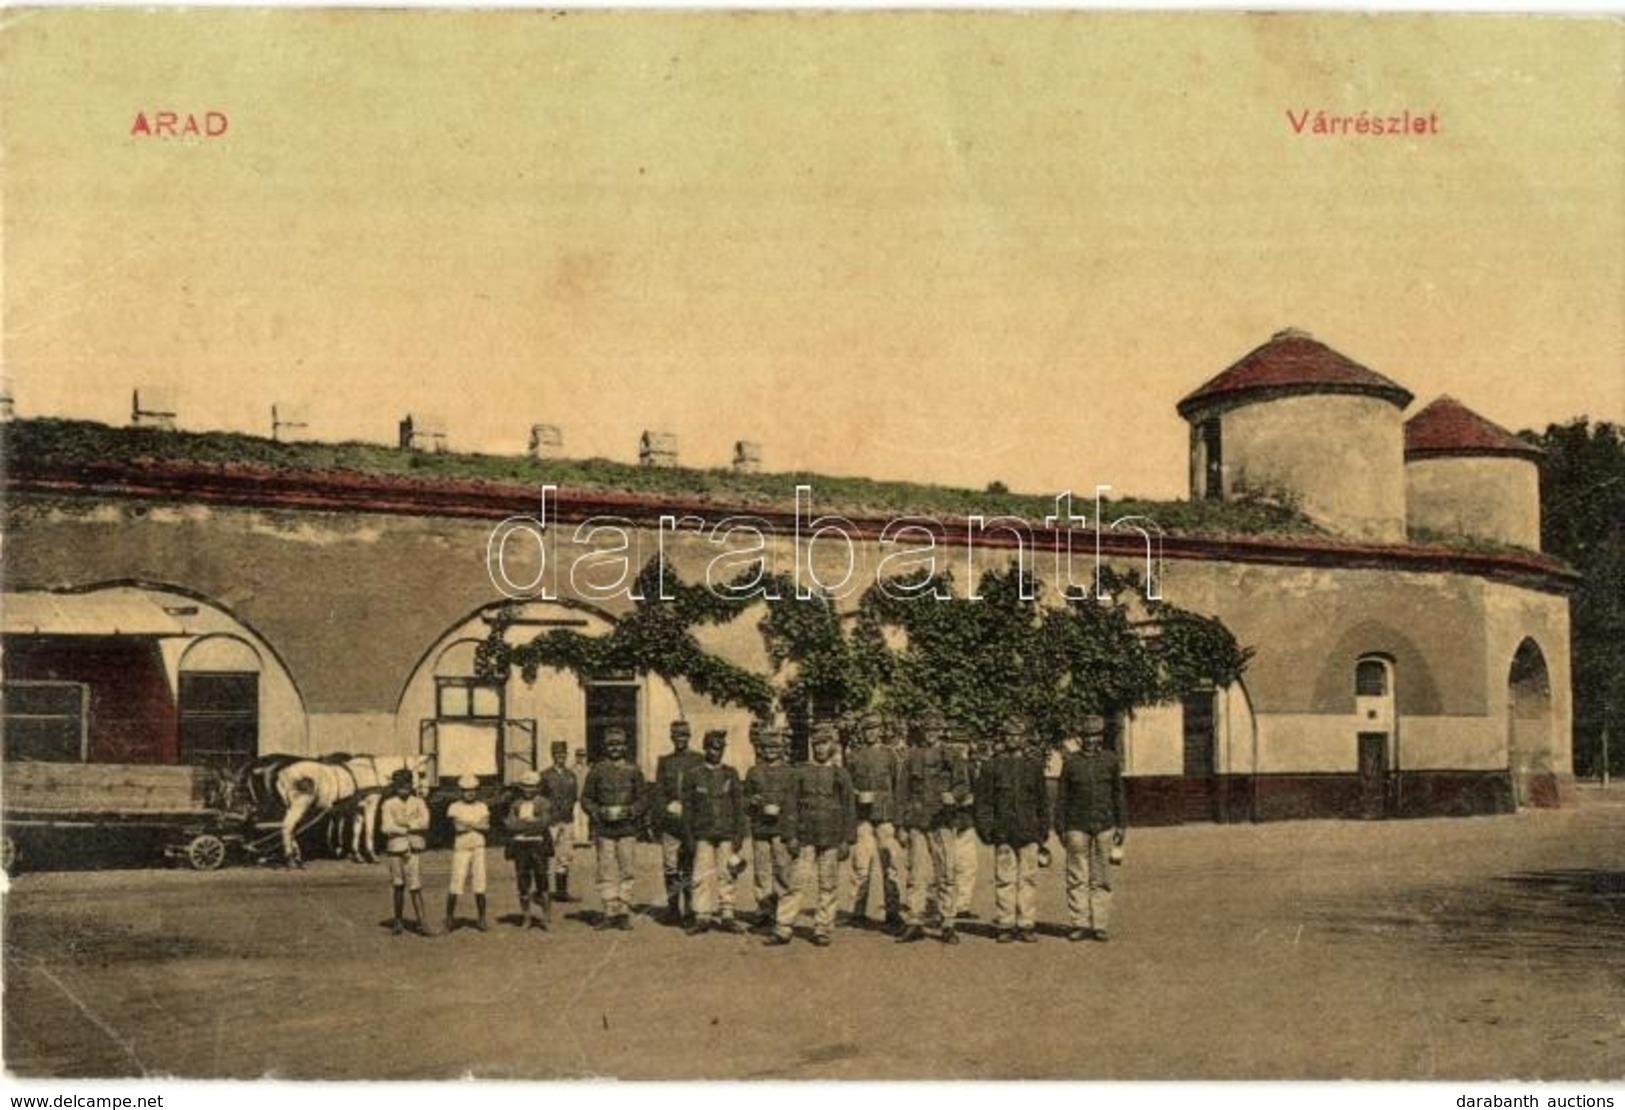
1292,362
1448,427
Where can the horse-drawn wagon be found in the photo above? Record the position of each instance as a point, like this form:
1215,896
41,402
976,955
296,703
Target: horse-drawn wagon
77,812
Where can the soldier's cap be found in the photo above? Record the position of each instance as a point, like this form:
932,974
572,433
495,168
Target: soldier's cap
560,747
1093,725
614,732
824,733
716,738
530,778
468,782
933,719
680,727
400,777
1015,728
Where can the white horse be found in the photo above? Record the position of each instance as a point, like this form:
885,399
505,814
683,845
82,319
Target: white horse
344,788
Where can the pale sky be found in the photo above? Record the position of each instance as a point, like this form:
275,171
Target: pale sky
946,247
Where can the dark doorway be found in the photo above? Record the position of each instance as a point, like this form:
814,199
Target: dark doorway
1199,796
220,718
1373,772
1200,735
612,704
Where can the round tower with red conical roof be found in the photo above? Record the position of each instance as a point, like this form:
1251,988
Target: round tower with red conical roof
1296,421
1466,476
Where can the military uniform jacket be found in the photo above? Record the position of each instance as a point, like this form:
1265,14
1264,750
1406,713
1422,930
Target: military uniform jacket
926,776
771,784
614,785
825,814
1089,795
1012,801
874,770
713,804
670,770
560,788
530,818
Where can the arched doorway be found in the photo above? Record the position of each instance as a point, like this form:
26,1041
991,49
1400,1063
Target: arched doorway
219,703
1377,748
496,729
1529,727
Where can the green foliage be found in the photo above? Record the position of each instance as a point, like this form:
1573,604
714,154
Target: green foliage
909,647
656,637
1582,492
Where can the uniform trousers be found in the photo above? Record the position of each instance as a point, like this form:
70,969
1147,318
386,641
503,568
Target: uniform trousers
965,868
564,844
617,856
1089,878
824,866
931,855
713,880
674,857
1015,886
876,844
775,875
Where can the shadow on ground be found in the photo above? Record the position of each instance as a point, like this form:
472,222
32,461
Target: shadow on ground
1567,919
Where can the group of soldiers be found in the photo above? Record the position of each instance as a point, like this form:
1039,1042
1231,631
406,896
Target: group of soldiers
913,814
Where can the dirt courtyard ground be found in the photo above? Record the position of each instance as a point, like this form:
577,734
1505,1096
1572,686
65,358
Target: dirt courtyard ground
1438,949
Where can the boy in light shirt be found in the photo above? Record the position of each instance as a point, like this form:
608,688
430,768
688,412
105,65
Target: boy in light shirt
404,820
471,820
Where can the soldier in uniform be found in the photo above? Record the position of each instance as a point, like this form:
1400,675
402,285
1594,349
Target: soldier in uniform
825,824
666,817
964,819
403,818
562,791
1091,817
931,786
1012,814
770,805
873,767
613,797
583,829
714,829
530,846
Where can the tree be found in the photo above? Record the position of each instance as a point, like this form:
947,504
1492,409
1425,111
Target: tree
1582,493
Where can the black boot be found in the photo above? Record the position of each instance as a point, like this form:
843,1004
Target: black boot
451,912
479,903
398,926
561,887
674,899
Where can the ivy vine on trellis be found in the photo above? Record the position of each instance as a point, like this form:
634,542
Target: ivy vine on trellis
908,645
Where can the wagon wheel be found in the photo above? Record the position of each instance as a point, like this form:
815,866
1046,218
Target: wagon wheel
206,852
8,855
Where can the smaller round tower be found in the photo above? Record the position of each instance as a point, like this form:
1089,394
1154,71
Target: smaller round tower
1465,476
1296,421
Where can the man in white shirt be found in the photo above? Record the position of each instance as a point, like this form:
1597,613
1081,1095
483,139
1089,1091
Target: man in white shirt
404,820
470,820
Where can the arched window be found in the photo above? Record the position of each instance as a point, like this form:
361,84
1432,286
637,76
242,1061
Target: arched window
1371,678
